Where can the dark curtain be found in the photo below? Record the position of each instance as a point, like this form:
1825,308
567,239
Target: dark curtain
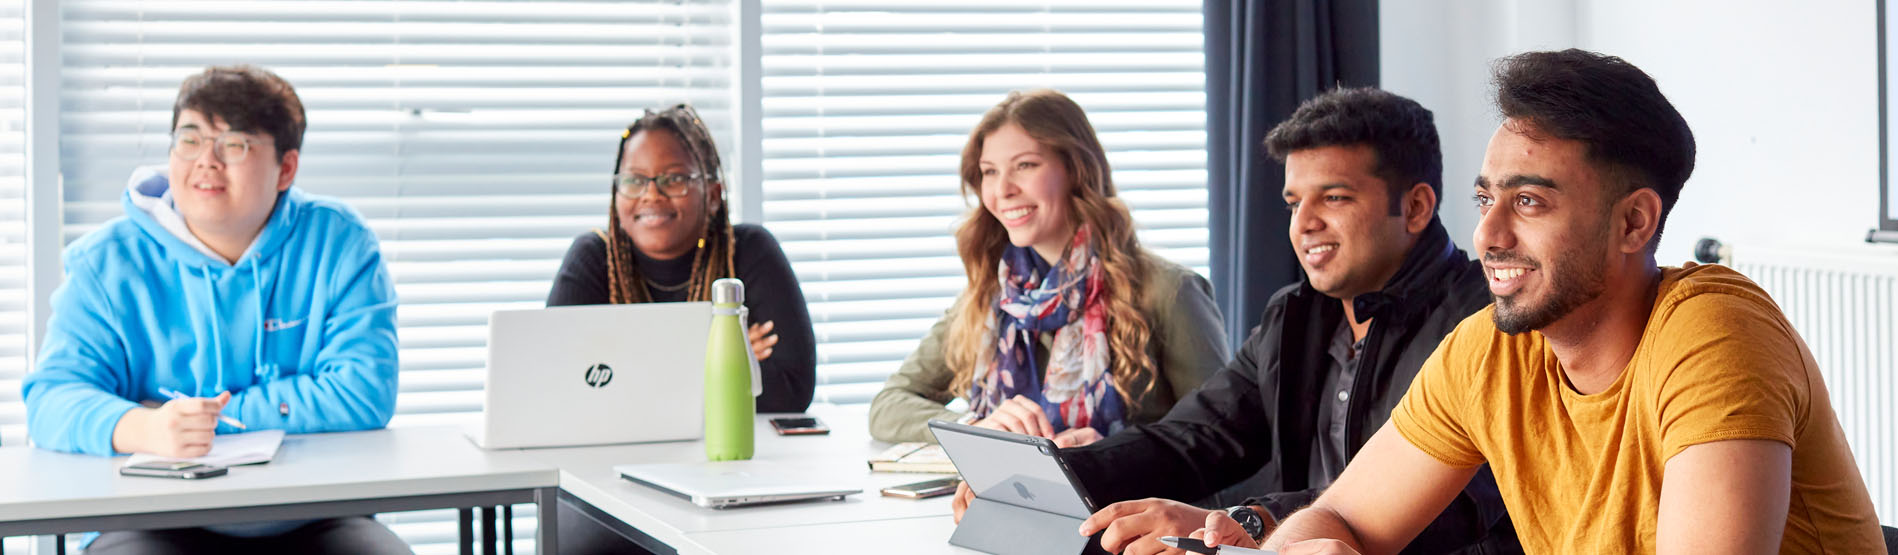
1264,57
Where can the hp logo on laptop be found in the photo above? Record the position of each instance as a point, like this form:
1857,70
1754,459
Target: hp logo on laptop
599,375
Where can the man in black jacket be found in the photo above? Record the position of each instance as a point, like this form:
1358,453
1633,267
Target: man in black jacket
1332,355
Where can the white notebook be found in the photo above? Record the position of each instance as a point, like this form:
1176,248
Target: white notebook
228,450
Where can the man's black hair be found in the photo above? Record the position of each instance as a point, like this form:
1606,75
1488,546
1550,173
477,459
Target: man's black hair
1630,132
1401,133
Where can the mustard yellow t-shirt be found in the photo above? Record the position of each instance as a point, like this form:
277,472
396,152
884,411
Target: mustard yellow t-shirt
1583,473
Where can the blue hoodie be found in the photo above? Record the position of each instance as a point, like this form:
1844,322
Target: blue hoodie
301,330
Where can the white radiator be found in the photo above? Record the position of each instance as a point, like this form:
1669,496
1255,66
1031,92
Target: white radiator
1844,303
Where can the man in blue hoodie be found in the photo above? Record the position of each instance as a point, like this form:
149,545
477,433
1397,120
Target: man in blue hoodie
230,294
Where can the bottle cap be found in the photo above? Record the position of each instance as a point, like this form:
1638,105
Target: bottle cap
728,291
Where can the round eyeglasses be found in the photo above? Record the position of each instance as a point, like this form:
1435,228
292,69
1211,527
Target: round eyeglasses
190,145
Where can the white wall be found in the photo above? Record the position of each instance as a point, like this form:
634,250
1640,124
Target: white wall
1438,52
1783,101
1782,98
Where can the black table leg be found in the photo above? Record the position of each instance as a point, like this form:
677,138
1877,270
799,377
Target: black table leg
467,530
487,531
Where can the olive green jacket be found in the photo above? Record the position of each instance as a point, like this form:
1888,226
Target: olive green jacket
1188,341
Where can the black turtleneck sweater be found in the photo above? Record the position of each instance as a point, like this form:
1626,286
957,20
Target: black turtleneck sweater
771,294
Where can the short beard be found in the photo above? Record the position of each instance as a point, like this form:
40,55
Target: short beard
1572,285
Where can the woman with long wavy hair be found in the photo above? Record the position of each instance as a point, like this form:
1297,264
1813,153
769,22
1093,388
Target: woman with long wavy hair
1067,328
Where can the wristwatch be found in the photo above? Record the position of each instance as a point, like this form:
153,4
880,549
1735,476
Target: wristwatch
1248,519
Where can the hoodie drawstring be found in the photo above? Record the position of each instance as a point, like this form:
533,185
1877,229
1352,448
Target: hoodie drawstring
217,335
260,368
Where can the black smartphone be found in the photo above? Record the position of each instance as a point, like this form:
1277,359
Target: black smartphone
799,425
924,489
166,469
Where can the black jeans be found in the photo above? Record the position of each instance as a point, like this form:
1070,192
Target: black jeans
356,534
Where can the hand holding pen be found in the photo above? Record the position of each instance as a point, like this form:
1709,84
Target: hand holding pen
183,427
221,399
1191,545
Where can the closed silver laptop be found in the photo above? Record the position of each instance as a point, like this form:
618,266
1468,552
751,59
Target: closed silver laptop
725,484
589,375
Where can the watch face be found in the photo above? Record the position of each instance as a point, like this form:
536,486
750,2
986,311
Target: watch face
1247,519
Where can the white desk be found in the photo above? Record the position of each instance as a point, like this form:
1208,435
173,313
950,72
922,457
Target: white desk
326,475
313,476
664,523
916,536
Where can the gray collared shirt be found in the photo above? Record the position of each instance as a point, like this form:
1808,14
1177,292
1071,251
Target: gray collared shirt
1329,443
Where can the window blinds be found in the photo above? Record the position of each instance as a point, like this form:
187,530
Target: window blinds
13,293
867,106
475,137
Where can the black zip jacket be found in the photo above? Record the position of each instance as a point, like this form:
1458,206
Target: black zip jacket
1259,413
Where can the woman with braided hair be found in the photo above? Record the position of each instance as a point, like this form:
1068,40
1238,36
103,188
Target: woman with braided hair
670,235
1068,329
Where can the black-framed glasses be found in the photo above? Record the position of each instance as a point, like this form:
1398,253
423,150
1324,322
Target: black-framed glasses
190,145
670,185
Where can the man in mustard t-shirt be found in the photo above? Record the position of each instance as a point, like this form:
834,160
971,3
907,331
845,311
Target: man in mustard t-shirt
1624,407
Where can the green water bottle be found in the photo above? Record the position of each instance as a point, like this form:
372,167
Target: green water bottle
729,409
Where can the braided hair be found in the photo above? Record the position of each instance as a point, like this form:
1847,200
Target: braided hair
713,257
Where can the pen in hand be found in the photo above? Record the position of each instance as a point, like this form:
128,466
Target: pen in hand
174,395
1195,546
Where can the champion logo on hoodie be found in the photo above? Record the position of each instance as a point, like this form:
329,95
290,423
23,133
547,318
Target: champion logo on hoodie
274,324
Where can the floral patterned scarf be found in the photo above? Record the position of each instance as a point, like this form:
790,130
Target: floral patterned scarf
1064,298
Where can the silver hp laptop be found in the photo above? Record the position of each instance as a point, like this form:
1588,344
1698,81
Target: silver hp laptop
587,375
724,484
